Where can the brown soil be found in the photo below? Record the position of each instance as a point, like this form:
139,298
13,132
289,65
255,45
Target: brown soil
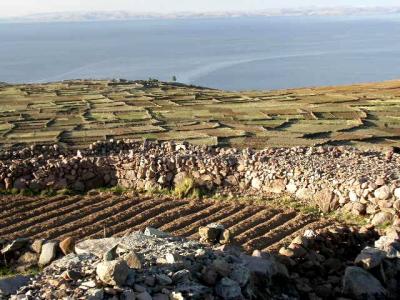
93,216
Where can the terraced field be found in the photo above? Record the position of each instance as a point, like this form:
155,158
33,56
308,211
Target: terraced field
76,113
253,226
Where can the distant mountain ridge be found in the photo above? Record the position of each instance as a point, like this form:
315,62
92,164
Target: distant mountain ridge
125,15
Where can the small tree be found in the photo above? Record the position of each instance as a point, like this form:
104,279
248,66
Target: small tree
174,78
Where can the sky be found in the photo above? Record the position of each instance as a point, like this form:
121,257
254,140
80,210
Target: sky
10,8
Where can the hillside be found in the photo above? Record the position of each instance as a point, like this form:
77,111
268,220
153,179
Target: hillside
76,113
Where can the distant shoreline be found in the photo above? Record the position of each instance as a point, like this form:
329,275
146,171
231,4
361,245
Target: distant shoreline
99,16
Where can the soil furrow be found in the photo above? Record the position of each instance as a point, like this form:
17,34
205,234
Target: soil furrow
150,213
288,239
29,205
278,233
116,223
264,227
38,230
231,220
252,221
8,203
48,211
168,216
197,207
93,222
187,220
193,227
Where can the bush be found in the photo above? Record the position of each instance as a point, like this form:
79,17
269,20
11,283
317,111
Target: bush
187,187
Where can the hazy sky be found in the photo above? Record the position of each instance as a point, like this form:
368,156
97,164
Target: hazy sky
23,7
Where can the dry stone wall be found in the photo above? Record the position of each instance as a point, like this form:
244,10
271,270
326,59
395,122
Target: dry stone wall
359,181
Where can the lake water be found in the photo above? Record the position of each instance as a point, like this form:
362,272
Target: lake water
233,54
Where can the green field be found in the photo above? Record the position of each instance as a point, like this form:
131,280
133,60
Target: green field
76,113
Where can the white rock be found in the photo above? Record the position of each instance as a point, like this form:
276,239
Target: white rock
382,193
397,193
256,183
149,231
353,196
48,253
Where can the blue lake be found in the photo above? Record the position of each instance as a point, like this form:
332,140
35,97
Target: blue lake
230,53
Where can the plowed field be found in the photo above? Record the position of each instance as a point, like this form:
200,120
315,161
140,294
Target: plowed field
253,226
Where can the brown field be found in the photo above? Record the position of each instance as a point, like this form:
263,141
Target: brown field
256,226
76,113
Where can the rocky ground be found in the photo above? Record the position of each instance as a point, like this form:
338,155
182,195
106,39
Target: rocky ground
324,264
295,255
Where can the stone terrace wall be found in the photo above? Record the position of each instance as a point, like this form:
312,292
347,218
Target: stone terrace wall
362,182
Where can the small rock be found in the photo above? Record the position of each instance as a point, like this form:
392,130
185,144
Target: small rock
133,260
67,245
176,296
225,237
397,193
28,259
173,258
144,296
95,294
149,231
72,275
15,245
382,193
209,276
221,266
113,272
150,280
128,295
211,233
370,258
228,289
37,245
381,218
48,253
240,274
163,279
181,276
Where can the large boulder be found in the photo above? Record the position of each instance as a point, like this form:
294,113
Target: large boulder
113,272
359,284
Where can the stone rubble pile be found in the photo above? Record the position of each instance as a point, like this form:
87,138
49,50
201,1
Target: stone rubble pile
152,265
361,182
328,263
